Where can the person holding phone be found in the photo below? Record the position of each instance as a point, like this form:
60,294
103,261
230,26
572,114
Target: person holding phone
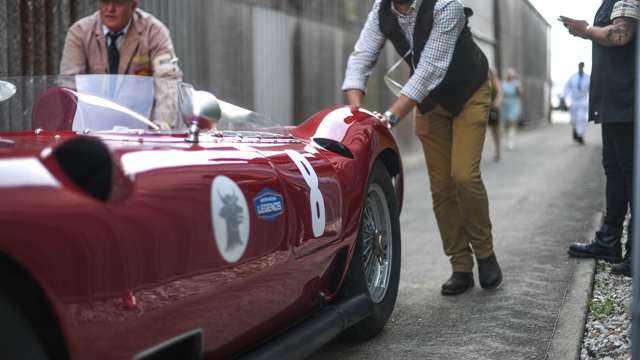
612,104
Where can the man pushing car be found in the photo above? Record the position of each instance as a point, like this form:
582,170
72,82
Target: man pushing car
449,86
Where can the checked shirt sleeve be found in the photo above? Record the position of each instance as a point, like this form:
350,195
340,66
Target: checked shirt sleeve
365,54
449,21
626,8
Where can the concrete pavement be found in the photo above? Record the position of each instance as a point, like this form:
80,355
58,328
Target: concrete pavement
544,195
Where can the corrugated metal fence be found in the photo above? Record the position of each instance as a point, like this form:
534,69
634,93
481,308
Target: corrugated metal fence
285,58
32,33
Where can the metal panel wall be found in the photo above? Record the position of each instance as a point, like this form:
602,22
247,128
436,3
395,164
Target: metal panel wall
288,71
32,33
221,49
273,40
323,37
482,24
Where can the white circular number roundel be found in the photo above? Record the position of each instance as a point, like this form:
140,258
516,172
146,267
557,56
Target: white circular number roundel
230,218
316,201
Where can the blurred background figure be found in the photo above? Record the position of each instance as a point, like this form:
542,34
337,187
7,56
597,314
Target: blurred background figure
494,115
576,93
511,105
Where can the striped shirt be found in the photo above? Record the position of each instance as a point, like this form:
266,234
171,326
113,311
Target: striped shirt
448,22
626,8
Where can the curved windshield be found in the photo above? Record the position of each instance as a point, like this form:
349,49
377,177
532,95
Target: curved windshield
115,103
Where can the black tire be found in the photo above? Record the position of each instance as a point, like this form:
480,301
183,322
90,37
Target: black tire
17,338
355,281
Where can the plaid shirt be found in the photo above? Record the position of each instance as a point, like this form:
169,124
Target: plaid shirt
449,21
626,8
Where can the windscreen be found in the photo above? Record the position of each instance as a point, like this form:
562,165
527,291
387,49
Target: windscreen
114,103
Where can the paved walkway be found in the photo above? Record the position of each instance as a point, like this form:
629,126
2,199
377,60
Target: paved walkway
544,195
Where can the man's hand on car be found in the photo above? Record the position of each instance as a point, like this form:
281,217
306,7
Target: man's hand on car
383,119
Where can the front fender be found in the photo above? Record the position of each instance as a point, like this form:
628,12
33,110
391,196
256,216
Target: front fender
358,134
366,140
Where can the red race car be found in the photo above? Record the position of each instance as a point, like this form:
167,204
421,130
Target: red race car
228,237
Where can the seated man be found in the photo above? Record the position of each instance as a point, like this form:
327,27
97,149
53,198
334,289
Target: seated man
122,39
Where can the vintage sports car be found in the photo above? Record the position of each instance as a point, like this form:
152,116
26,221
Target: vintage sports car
228,237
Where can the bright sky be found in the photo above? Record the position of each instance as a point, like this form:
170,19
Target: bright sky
567,51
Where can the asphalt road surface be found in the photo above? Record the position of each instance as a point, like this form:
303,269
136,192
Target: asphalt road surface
544,195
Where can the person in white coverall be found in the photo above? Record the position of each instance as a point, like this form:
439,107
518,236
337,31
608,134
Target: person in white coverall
576,93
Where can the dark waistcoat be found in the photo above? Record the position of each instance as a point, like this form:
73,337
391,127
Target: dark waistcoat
468,69
612,92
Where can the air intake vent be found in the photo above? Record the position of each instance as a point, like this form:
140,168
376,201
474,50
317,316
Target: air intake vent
334,147
87,162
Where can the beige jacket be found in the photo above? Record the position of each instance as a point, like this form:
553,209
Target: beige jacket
147,50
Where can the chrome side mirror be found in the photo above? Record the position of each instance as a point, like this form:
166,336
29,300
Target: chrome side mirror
200,111
7,90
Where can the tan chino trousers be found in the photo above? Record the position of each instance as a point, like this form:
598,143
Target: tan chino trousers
453,150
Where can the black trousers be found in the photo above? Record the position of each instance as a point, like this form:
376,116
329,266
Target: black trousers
617,161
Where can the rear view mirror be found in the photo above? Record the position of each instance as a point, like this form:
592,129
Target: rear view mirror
206,107
201,111
202,107
7,90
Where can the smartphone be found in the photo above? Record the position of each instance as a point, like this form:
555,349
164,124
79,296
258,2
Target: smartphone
563,19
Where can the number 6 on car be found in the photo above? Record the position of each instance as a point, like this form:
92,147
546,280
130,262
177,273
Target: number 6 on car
316,201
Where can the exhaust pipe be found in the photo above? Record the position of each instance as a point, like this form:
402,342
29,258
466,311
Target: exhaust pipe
304,339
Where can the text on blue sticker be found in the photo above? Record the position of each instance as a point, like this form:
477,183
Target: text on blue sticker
268,204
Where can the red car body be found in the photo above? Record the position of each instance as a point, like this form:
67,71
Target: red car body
117,277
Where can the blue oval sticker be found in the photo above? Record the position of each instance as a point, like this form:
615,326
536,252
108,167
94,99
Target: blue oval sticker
268,204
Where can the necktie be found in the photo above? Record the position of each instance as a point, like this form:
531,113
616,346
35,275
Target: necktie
112,51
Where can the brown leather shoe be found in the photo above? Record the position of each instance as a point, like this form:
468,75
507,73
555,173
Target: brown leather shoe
489,272
458,283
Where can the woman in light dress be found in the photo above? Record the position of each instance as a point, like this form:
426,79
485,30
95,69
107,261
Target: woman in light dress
511,105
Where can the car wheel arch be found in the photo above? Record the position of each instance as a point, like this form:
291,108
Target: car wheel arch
17,284
349,288
392,162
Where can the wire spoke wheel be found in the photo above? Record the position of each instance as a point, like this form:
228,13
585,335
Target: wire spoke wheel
375,266
378,251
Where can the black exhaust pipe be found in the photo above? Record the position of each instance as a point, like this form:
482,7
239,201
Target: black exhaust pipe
304,339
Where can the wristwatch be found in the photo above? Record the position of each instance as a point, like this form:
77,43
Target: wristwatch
393,118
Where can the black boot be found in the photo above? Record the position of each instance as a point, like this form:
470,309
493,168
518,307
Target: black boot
623,268
458,283
489,272
606,246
